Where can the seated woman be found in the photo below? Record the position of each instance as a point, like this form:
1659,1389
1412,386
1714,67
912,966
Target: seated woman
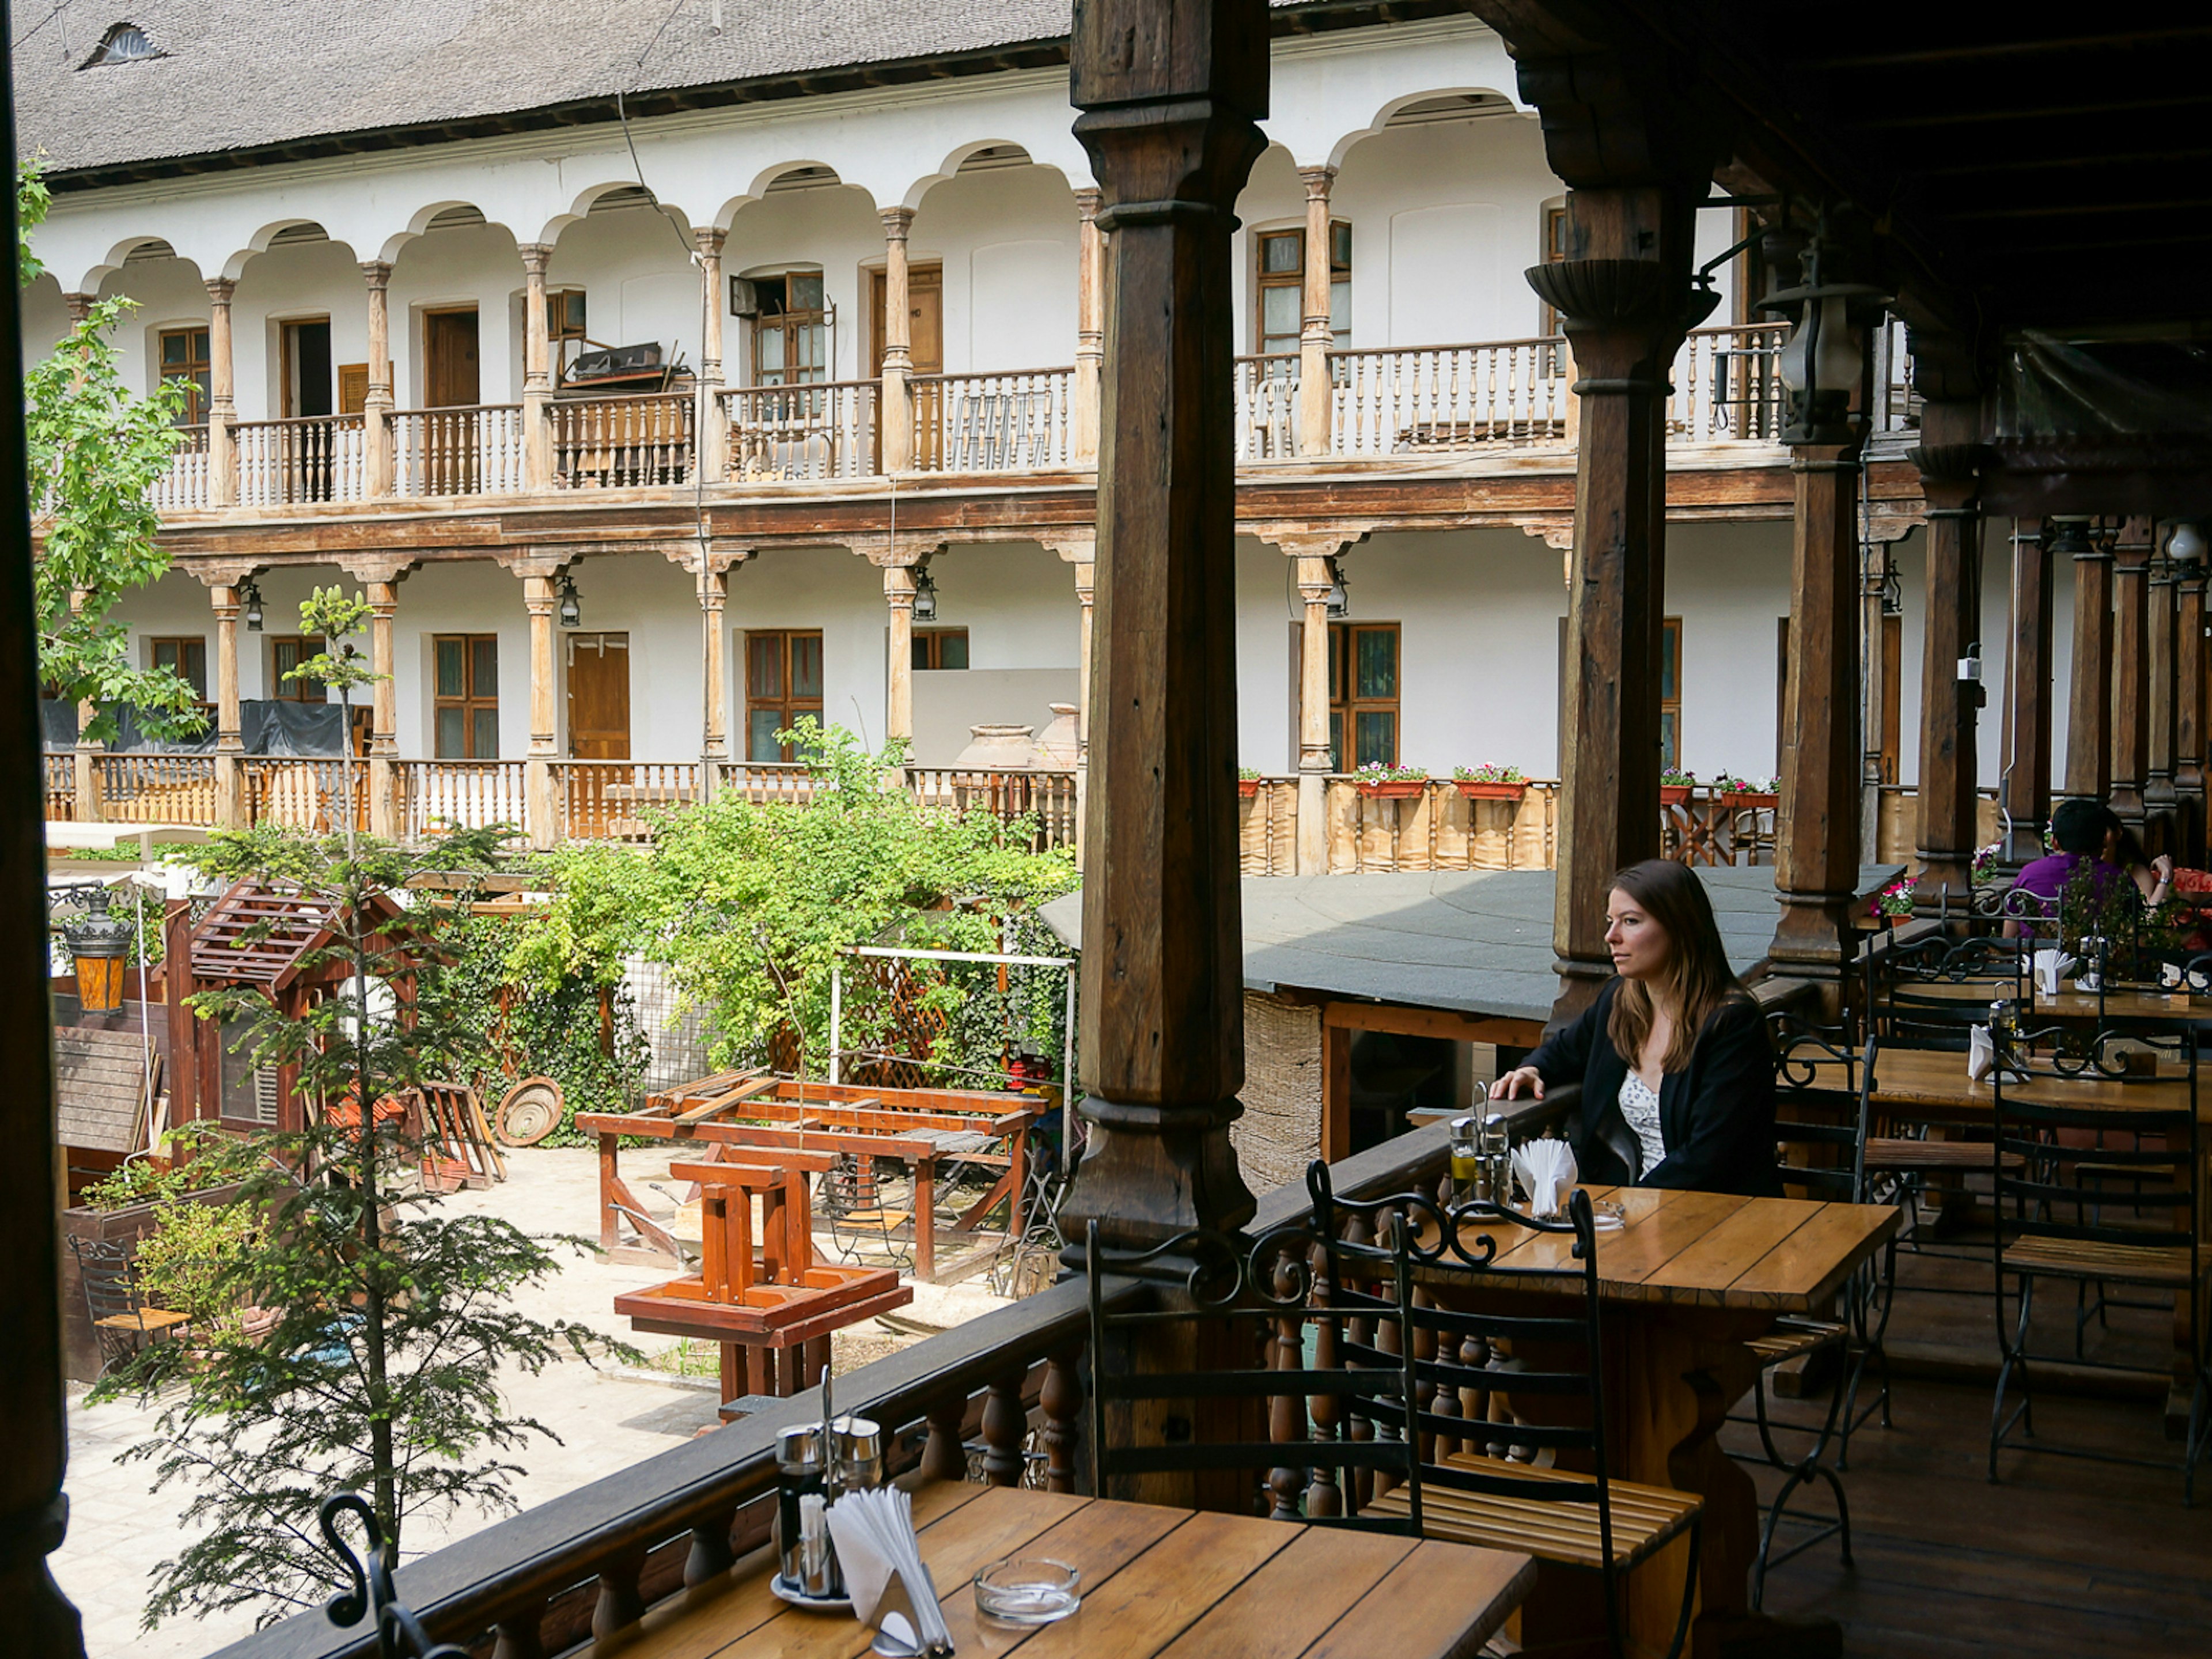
1677,1073
2090,838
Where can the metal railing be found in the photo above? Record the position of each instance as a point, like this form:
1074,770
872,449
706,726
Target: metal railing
1047,796
436,796
471,450
139,788
1414,398
792,433
310,795
1015,421
184,487
314,458
624,443
1268,407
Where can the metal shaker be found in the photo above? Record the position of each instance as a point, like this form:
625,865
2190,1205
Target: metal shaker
801,1472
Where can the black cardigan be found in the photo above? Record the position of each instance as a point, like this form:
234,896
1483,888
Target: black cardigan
1716,1114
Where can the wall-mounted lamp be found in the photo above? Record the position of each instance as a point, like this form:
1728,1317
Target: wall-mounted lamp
249,595
571,612
925,597
2186,546
1819,363
1340,593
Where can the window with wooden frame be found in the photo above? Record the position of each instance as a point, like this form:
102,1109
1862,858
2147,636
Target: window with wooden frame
185,357
186,658
564,327
783,684
790,329
940,647
1554,249
1670,692
1278,305
464,696
1363,694
286,652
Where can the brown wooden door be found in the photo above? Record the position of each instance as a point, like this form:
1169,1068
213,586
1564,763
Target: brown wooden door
450,380
924,291
599,697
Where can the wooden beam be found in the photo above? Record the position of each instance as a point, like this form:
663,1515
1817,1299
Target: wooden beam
1446,1023
1336,1092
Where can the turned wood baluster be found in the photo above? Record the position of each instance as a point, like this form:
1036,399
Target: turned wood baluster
1474,1402
520,1635
1285,1412
1062,1400
1427,1396
711,1555
1005,1427
1362,1333
1389,1339
620,1603
944,1456
1325,1498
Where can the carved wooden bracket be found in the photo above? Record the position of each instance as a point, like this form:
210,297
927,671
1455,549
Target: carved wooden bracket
1298,542
721,557
884,549
378,567
224,572
528,562
1073,547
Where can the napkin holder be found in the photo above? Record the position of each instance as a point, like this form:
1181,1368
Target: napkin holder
898,1601
1546,1169
1982,1059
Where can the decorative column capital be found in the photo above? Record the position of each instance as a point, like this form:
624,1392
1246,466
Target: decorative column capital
899,581
898,221
377,274
1317,181
218,574
1087,199
378,570
220,289
533,565
709,240
80,305
1086,574
536,255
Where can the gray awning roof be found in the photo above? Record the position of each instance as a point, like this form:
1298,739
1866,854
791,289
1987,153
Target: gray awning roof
1476,942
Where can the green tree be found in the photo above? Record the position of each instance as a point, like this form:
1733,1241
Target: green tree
328,613
392,1319
96,451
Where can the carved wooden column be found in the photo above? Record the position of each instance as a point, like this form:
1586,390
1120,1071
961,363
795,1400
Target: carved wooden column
386,795
898,684
713,668
542,795
2089,715
1085,597
1950,457
376,405
1090,325
536,369
1171,133
1315,337
2189,714
897,416
713,429
229,739
2027,769
2161,800
222,406
2130,671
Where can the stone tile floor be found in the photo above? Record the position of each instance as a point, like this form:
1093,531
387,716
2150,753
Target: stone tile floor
606,1418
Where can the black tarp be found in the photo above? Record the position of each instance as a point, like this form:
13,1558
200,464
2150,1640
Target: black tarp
267,726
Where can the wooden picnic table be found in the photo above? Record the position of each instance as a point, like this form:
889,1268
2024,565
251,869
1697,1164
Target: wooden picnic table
1687,1282
1156,1581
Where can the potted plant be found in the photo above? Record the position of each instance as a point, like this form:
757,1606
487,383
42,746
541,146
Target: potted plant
1489,782
1674,786
1738,791
1892,903
1379,782
1247,781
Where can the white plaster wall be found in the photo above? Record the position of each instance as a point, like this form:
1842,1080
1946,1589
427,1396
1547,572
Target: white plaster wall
1729,583
476,266
1267,610
169,295
320,279
460,599
835,227
634,267
823,587
1007,240
45,319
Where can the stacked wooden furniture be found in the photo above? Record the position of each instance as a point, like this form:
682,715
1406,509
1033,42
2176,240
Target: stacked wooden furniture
755,1114
768,1305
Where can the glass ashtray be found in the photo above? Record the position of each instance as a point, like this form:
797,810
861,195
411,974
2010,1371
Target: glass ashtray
1028,1590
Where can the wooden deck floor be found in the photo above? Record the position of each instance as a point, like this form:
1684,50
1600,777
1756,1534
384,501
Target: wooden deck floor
2063,1556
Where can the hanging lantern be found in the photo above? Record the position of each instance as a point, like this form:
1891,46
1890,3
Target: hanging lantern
1339,602
249,595
1820,363
925,597
100,943
572,607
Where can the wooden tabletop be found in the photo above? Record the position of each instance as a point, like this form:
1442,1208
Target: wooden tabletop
2119,1002
1713,1250
1935,1079
1156,1581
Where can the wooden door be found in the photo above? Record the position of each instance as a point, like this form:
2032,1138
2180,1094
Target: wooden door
599,697
450,382
925,292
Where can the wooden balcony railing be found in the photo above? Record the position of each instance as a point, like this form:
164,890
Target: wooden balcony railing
184,487
781,433
1048,797
316,458
1268,407
309,795
763,781
624,443
1419,398
1012,423
1727,385
436,796
57,778
610,800
142,789
468,451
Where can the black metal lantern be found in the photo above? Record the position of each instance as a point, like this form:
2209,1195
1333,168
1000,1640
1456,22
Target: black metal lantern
249,595
1821,361
1339,602
925,597
100,943
572,608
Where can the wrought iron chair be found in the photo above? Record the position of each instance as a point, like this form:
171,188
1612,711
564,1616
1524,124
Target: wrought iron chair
849,1197
122,1318
1482,1480
1238,1314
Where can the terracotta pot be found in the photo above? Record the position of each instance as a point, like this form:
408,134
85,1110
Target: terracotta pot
1248,787
1750,797
1478,790
998,749
1394,789
1673,794
1056,744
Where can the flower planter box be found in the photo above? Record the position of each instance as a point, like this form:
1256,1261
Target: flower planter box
1247,788
1477,791
1396,789
1749,798
1673,794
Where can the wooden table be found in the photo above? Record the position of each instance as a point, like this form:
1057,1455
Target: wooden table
1931,1085
2123,1003
1156,1581
1686,1283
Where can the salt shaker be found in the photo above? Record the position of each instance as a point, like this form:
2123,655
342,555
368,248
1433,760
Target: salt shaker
1467,1171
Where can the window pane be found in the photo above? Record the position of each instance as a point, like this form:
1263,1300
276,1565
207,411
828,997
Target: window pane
486,733
165,653
952,650
195,666
1670,662
1669,740
809,351
1340,246
760,728
452,681
287,657
483,680
1340,310
1280,253
1374,731
921,650
805,289
1340,640
764,666
805,666
767,354
449,744
1279,310
1378,662
1335,740
172,349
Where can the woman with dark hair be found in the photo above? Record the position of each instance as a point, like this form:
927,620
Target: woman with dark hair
1677,1073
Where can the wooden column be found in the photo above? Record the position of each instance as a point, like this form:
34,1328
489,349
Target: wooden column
898,412
2161,800
2188,715
1086,596
2027,769
386,816
1090,325
2130,671
536,369
1315,335
542,798
1949,458
1171,130
2089,714
84,773
714,673
376,405
714,431
1311,555
899,697
223,407
229,739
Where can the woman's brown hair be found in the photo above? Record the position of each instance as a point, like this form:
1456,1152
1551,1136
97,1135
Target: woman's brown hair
1698,975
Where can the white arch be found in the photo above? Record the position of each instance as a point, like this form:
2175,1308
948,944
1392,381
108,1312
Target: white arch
1316,79
958,157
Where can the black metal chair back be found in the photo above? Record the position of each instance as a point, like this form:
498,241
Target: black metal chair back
1461,1359
1821,1090
1271,1339
1929,993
